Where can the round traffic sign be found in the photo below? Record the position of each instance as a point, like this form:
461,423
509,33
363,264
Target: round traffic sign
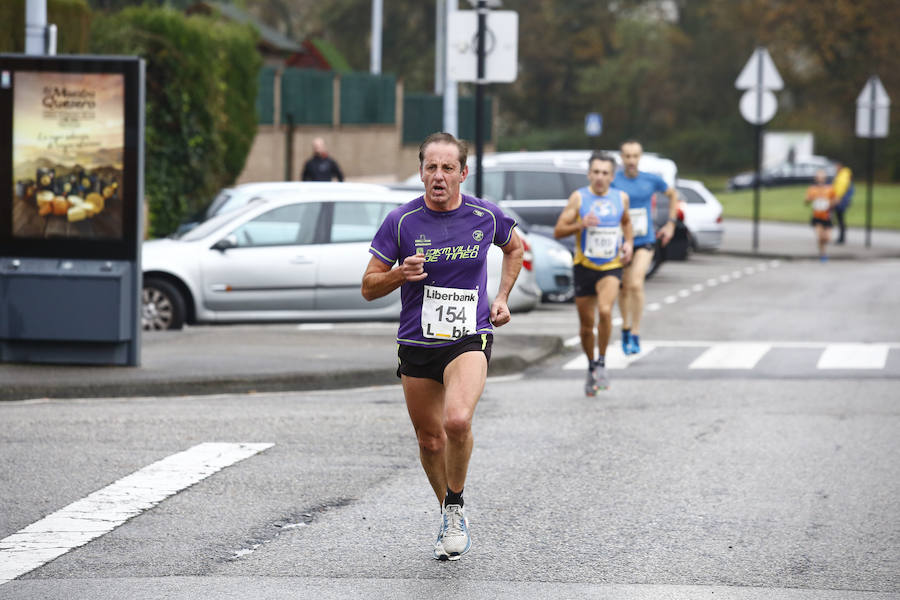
758,108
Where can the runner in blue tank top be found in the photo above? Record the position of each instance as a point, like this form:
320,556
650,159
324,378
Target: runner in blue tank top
440,243
640,187
598,216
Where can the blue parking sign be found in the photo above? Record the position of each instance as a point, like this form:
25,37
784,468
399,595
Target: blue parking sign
593,124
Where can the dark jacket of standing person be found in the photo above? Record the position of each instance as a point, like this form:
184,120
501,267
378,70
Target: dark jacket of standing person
321,167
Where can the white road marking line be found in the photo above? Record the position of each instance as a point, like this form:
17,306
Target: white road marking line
736,275
575,340
772,343
724,278
712,282
615,358
684,293
104,510
653,307
698,287
749,270
670,299
853,356
315,326
775,263
731,356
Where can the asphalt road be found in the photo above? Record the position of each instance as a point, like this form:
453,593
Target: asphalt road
772,480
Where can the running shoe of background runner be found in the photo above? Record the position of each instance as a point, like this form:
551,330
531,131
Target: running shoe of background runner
601,378
455,540
626,341
634,344
590,385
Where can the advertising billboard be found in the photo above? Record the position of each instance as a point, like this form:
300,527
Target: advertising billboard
69,155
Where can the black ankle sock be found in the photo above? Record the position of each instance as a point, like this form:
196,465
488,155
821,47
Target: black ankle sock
453,497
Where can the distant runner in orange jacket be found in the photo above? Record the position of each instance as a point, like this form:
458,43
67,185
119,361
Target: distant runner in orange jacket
821,196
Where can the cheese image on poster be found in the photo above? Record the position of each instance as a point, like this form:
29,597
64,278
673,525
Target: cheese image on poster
67,155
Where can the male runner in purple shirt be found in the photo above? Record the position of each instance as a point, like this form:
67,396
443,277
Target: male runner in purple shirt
440,243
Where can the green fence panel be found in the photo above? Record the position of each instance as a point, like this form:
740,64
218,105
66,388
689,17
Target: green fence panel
423,114
307,96
467,119
367,98
265,96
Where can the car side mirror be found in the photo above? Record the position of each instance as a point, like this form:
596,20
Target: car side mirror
229,241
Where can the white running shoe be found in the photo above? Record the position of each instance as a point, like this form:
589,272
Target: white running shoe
601,378
590,386
453,539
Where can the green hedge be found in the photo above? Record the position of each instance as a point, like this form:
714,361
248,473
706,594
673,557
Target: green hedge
71,17
202,77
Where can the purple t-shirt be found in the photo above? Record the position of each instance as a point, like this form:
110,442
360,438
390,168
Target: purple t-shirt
451,303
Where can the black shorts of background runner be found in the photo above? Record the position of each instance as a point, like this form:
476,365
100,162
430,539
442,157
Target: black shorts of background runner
586,279
650,247
822,222
429,363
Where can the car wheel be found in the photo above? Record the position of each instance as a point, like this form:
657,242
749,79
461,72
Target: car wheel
162,306
559,297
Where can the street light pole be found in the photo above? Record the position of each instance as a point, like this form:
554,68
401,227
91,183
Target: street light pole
40,38
451,117
375,65
479,98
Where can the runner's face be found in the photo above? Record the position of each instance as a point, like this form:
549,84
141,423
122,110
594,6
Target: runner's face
600,176
631,156
441,175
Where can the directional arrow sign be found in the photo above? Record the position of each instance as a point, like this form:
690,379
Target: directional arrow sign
759,71
873,108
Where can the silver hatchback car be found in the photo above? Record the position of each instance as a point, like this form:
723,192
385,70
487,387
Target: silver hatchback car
295,254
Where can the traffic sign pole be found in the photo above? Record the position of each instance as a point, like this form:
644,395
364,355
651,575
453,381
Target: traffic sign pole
758,167
758,106
870,175
872,121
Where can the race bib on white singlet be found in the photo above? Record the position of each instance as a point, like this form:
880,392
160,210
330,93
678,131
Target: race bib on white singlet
821,205
601,242
449,313
639,221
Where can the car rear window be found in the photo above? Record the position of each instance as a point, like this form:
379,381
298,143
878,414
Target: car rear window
690,196
358,221
575,181
537,185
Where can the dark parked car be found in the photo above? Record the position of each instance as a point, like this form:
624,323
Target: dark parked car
800,172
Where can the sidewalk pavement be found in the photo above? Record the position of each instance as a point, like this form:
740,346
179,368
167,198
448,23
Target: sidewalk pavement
796,241
247,358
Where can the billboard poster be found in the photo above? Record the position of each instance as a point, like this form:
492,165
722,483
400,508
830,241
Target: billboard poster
68,141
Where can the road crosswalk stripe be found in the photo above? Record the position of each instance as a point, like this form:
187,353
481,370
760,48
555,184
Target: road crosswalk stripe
746,355
731,356
104,510
615,358
853,356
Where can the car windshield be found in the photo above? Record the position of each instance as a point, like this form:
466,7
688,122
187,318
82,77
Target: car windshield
206,227
690,196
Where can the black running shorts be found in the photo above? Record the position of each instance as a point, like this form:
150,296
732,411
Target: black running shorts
429,363
586,279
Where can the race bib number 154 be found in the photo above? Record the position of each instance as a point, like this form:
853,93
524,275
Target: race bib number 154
449,313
